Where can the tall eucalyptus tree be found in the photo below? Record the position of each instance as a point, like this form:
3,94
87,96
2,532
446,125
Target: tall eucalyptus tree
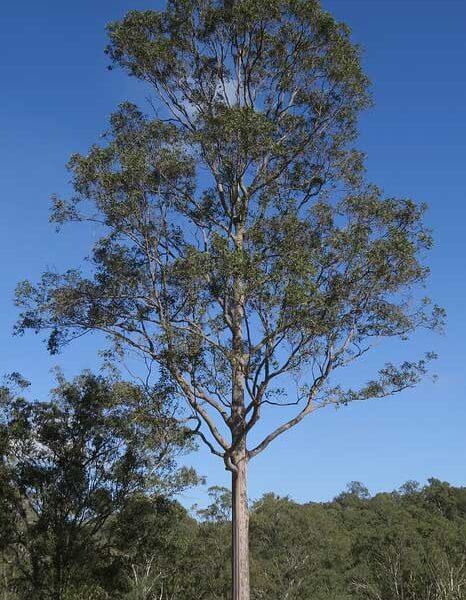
242,250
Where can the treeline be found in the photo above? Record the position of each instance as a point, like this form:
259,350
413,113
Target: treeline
88,511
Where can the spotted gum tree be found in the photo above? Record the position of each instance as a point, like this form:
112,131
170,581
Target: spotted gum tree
241,247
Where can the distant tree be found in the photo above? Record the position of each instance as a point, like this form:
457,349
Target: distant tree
67,466
154,539
299,551
219,510
443,498
409,487
355,491
403,548
242,250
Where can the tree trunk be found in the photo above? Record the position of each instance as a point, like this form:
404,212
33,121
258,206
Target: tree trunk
240,532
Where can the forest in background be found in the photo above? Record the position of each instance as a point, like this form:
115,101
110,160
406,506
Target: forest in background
88,510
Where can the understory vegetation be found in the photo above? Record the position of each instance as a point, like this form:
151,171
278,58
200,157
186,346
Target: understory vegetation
89,510
408,545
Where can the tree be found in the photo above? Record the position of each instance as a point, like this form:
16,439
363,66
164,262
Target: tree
67,466
404,548
298,551
242,250
219,510
154,538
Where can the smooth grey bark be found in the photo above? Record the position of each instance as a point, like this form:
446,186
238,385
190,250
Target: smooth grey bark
240,532
239,454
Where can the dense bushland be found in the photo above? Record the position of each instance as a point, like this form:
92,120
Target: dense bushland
88,511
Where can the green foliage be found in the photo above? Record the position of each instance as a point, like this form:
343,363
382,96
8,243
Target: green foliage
219,511
408,544
67,466
298,551
242,250
241,246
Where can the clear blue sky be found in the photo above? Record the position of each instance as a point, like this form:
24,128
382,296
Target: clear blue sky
55,98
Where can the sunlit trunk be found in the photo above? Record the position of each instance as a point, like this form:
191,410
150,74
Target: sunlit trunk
240,532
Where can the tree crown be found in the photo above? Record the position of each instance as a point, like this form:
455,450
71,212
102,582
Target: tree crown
240,242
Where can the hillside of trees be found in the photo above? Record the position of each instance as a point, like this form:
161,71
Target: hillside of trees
89,511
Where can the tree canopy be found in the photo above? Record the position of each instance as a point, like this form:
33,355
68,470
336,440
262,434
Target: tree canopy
242,249
68,465
408,544
241,246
